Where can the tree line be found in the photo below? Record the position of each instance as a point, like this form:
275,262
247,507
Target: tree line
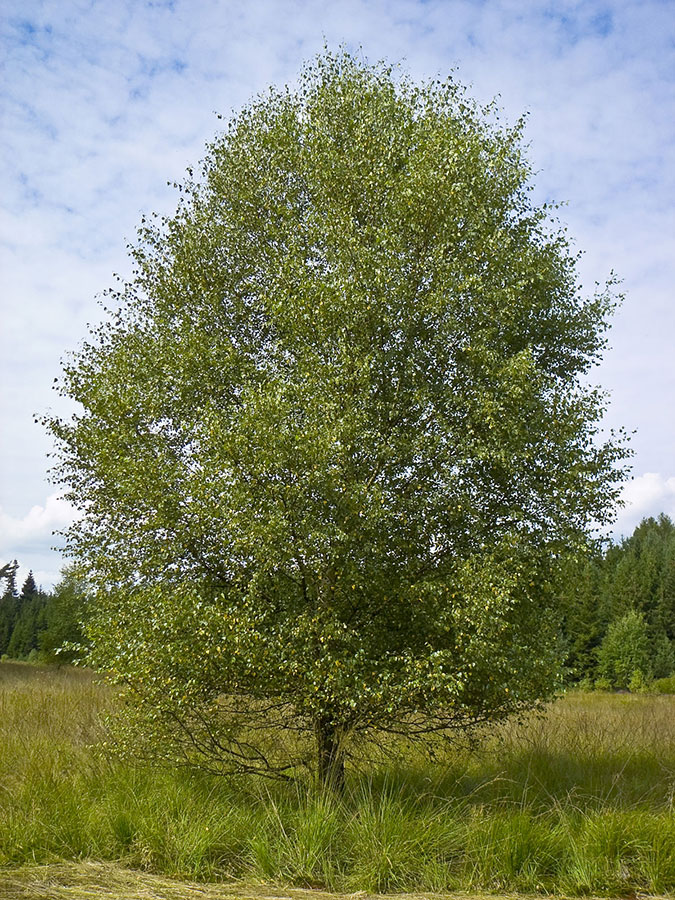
619,604
37,625
617,624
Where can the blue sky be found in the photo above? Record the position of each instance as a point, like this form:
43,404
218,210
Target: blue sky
103,103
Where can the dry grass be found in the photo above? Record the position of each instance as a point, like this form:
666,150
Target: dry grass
108,881
105,881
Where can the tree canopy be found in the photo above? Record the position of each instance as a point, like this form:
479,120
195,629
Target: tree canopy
336,434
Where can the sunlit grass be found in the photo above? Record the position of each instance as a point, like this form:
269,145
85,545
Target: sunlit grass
579,801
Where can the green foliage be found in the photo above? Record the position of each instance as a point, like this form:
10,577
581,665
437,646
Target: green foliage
662,656
642,576
583,626
43,626
62,637
625,650
337,436
664,685
636,575
638,683
8,605
28,620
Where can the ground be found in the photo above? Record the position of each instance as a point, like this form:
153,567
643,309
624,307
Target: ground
106,881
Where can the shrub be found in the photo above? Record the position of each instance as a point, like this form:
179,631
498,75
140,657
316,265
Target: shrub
625,650
664,685
663,660
638,683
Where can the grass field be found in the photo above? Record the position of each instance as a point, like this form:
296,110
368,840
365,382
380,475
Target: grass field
581,801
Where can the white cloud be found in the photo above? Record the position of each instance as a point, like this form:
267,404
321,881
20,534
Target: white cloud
39,521
30,538
647,495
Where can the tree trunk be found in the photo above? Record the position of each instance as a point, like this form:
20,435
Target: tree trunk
330,757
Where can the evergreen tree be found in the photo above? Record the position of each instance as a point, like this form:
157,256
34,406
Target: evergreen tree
64,614
635,576
8,605
638,579
29,620
584,623
663,656
666,603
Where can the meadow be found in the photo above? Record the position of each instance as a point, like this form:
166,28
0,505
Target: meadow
578,801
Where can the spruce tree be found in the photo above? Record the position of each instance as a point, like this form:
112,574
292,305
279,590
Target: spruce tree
8,605
29,620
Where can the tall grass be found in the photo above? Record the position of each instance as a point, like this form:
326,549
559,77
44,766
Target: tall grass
578,801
